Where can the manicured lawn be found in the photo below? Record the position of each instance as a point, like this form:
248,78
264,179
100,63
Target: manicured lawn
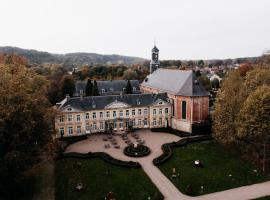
221,169
124,182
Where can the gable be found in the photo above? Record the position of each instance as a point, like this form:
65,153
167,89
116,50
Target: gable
117,104
160,102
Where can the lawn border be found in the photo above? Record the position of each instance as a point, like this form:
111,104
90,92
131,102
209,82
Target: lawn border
168,147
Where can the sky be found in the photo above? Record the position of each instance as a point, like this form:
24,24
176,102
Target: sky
183,29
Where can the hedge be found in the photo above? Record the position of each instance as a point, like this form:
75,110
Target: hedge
168,147
106,157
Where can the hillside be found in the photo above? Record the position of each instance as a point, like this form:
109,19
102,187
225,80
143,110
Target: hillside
40,57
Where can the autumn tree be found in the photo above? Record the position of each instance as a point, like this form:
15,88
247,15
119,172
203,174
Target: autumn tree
228,103
205,82
25,118
253,122
130,74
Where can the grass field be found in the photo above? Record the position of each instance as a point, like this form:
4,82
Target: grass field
221,169
125,183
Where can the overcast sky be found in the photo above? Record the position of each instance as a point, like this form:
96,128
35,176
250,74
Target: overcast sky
184,29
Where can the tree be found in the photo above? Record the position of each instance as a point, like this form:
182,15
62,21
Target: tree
89,88
68,86
229,100
25,118
128,88
95,89
254,119
201,63
215,83
205,82
244,68
130,74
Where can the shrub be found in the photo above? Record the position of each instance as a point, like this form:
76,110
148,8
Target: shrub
104,156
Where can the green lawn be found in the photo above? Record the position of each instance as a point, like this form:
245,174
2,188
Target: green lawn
221,169
264,198
124,182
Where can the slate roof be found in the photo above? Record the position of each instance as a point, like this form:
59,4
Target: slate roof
110,87
100,102
177,82
155,49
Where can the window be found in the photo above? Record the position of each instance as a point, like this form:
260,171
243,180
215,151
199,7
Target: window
61,119
154,111
121,113
114,113
101,125
160,121
108,114
101,115
134,89
145,121
78,118
94,115
70,130
102,90
166,110
145,111
94,126
124,89
69,109
160,103
114,125
78,129
160,111
133,112
133,122
121,124
154,122
69,118
61,131
139,122
184,110
87,127
139,112
127,113
87,116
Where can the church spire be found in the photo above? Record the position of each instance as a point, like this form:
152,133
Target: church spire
154,64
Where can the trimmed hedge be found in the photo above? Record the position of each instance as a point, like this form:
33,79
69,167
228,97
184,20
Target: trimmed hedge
168,148
104,156
172,131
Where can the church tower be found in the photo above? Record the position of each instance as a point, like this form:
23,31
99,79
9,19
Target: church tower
154,64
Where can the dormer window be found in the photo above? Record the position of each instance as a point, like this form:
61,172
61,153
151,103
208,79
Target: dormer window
138,102
134,89
124,89
69,109
160,103
102,90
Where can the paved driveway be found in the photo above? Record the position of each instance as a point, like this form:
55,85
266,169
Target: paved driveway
154,141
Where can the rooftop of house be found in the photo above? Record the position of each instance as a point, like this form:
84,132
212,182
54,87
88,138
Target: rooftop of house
109,87
177,82
101,102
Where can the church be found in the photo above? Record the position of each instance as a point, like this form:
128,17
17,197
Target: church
166,98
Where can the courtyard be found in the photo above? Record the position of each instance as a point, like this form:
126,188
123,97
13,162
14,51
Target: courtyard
221,170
